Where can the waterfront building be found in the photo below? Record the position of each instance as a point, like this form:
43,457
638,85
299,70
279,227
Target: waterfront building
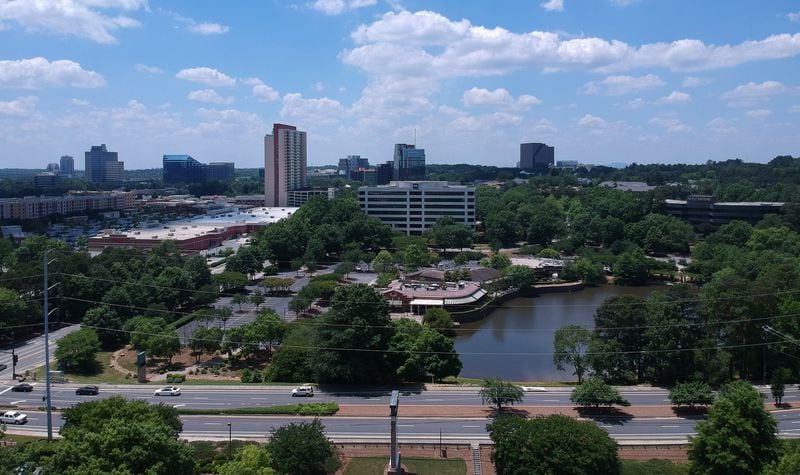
67,165
408,163
103,166
35,207
285,162
702,209
536,157
412,207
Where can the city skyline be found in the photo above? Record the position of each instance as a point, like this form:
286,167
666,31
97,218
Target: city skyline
606,81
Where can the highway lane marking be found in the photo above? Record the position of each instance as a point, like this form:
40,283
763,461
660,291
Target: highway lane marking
666,427
793,422
470,427
6,390
17,402
551,400
178,405
405,425
212,423
205,398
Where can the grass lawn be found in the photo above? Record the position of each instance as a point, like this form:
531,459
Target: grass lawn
654,467
106,375
421,466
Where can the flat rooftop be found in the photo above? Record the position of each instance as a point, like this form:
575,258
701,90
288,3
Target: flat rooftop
199,225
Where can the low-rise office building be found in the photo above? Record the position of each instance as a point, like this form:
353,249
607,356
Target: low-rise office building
36,207
412,207
702,209
296,198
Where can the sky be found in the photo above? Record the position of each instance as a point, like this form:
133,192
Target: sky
603,81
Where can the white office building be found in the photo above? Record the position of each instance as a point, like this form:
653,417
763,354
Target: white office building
412,207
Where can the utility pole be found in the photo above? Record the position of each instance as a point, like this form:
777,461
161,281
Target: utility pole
47,351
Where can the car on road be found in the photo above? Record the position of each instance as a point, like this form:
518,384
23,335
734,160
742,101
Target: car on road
306,391
89,390
22,388
13,417
168,391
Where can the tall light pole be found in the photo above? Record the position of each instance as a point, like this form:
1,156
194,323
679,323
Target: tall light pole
47,351
230,441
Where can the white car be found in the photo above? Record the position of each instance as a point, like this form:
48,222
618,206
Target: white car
307,391
168,391
13,417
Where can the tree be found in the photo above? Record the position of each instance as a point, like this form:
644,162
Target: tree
691,394
520,277
414,257
440,320
496,261
355,332
620,323
230,281
257,298
499,393
631,267
114,435
738,435
224,314
585,270
570,344
438,353
778,385
239,299
76,351
206,340
252,459
165,344
554,444
108,326
302,448
596,392
383,262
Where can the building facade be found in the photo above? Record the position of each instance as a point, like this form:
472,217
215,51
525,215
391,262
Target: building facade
285,162
351,164
181,169
103,166
536,157
47,180
52,167
67,165
408,163
701,209
296,198
412,207
35,207
220,171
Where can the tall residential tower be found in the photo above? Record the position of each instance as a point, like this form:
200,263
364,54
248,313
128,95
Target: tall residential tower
67,165
103,166
285,161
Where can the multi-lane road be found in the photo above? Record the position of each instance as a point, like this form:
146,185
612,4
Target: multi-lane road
367,428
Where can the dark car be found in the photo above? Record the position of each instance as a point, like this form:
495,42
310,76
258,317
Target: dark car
87,390
22,388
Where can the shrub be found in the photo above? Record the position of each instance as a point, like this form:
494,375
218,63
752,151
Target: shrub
175,378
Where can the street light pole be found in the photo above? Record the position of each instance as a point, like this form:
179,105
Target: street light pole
230,441
47,352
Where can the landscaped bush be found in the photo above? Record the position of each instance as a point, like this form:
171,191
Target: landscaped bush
175,378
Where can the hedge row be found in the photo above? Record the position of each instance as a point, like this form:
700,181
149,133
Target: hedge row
311,409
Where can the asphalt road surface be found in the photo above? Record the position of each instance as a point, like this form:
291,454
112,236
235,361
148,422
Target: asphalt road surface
31,352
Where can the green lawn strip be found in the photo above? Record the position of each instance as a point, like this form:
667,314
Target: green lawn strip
654,467
108,374
420,466
310,409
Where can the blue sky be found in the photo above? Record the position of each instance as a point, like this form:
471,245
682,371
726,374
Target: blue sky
602,80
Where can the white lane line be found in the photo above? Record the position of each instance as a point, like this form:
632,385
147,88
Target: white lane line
551,400
212,423
666,427
795,422
470,427
6,390
204,398
259,399
178,405
17,402
405,425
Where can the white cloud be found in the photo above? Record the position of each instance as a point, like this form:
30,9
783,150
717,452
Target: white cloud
676,97
794,109
36,73
319,86
79,102
337,7
753,90
590,120
143,68
208,28
261,91
720,126
207,76
399,41
793,16
635,103
497,98
20,107
670,124
691,81
82,18
209,95
759,114
619,85
321,111
553,5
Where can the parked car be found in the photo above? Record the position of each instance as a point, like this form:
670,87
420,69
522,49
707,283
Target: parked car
87,390
168,391
22,388
13,417
306,391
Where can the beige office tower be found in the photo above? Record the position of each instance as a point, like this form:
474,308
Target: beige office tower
285,163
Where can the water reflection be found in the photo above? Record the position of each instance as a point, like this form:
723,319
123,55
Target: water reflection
516,341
